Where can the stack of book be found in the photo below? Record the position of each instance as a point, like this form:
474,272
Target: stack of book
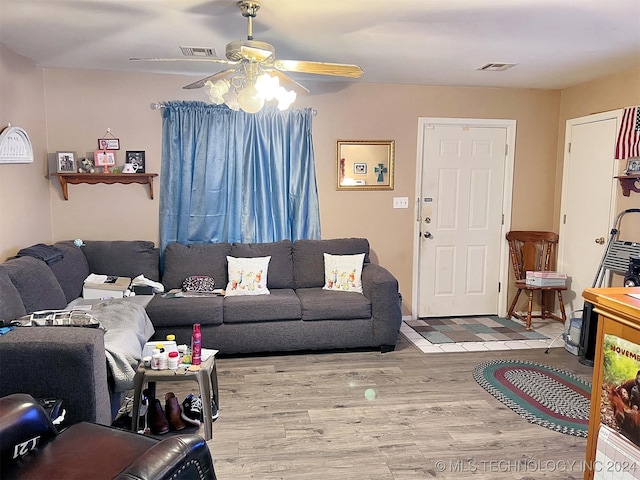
546,279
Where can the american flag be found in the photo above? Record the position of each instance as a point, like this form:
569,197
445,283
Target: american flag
628,144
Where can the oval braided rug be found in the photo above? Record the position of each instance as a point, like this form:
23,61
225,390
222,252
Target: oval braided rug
543,395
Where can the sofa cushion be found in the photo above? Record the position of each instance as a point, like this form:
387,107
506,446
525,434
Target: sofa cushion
308,257
282,304
123,258
71,270
247,276
320,304
182,261
36,284
281,264
11,305
172,312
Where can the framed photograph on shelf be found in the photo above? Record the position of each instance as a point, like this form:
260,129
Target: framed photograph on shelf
104,159
66,162
109,143
136,159
633,166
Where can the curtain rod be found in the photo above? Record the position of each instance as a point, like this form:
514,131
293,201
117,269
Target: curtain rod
159,105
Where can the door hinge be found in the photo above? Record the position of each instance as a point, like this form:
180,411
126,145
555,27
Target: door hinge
502,219
506,149
564,219
499,287
569,147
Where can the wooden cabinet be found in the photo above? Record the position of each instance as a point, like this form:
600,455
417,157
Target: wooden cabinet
618,316
108,178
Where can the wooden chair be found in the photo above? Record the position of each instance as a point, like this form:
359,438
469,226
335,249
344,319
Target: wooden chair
533,251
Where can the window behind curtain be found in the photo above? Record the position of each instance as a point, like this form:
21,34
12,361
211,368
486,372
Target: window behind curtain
235,177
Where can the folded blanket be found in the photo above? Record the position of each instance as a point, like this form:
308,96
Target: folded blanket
46,253
127,328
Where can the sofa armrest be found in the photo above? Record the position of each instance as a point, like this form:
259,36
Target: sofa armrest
24,426
184,456
68,363
381,288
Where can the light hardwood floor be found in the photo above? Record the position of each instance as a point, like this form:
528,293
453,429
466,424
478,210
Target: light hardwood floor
308,417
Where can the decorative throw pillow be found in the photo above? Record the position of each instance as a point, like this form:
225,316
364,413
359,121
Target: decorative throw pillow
247,276
343,272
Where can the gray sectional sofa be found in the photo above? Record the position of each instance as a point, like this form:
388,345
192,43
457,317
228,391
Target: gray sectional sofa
298,314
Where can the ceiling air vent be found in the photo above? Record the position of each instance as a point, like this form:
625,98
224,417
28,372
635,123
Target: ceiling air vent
198,51
496,67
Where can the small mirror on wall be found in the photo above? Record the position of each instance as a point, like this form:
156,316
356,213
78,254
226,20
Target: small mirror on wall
365,164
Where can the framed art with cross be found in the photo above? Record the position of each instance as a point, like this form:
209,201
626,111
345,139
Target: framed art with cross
365,164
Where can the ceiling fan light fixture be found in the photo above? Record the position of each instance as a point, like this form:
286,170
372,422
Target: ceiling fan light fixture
217,90
241,92
285,98
267,86
231,100
250,100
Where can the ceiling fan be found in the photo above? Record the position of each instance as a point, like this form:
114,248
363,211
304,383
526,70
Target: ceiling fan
256,75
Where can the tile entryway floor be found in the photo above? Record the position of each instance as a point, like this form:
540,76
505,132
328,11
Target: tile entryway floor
548,327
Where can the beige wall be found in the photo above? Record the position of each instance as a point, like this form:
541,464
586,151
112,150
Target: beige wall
81,105
25,212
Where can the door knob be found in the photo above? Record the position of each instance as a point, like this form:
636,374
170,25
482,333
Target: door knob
427,220
600,241
427,235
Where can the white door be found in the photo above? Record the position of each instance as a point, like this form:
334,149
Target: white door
588,200
461,224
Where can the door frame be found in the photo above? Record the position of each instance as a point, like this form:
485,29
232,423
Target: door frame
507,198
570,123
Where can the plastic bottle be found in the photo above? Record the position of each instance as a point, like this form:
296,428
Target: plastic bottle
172,361
182,353
155,359
196,345
163,361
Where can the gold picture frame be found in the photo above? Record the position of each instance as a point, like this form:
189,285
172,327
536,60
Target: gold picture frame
365,164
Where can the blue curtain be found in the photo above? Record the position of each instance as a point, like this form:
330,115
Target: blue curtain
235,177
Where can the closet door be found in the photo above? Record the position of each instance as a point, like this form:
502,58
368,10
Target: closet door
588,199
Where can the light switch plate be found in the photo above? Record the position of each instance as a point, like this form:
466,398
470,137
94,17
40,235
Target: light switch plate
400,202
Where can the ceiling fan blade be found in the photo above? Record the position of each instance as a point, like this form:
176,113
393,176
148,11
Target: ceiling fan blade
288,82
321,68
188,59
213,78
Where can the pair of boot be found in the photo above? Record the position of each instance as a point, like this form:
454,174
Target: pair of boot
160,422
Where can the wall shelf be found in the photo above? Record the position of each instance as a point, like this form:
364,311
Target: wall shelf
108,178
629,183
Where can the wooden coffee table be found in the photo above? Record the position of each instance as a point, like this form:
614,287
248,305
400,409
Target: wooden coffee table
206,377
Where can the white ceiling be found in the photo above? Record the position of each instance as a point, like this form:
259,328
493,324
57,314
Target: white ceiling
556,43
